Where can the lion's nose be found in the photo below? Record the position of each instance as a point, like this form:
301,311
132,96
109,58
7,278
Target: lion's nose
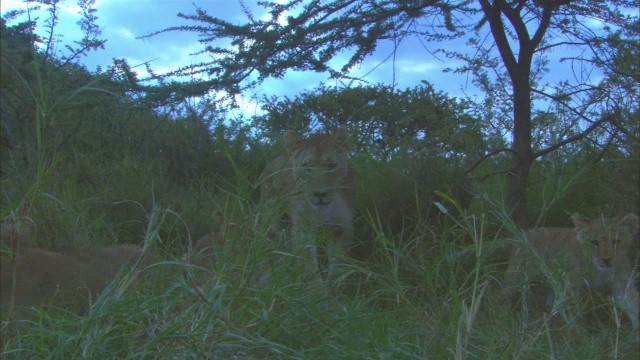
320,195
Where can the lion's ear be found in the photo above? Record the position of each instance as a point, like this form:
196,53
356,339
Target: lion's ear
341,138
291,140
218,217
581,225
630,221
579,221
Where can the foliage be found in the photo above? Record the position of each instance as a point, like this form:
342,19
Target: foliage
83,150
421,138
386,121
510,68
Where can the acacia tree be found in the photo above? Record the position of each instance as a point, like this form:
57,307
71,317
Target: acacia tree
305,35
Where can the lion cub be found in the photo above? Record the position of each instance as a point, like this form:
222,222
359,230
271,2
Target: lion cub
594,256
314,187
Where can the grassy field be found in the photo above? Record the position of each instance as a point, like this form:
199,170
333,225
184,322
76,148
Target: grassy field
435,294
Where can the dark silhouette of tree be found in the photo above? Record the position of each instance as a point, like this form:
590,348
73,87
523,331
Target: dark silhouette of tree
305,35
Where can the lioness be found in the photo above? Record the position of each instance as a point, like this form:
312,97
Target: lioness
597,256
70,280
314,187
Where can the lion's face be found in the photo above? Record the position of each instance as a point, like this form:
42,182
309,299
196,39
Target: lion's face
319,166
611,244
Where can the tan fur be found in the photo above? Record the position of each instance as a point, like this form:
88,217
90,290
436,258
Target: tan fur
594,256
314,186
70,280
15,231
207,245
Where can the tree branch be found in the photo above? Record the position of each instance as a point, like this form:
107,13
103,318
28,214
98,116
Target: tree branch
493,14
582,135
487,156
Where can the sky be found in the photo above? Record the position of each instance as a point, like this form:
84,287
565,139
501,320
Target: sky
124,21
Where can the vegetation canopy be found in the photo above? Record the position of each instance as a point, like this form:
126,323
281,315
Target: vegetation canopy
511,42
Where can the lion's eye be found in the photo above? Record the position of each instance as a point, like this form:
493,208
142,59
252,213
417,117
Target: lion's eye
331,166
595,244
307,167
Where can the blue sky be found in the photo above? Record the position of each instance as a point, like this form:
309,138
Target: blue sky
123,21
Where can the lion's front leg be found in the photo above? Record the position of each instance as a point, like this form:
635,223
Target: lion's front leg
626,296
305,243
338,247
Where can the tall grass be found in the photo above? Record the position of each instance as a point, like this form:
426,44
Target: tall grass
253,301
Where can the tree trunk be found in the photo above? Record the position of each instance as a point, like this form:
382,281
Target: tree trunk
518,66
522,154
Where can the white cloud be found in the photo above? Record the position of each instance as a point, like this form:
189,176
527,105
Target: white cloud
417,66
71,10
8,5
125,33
282,18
